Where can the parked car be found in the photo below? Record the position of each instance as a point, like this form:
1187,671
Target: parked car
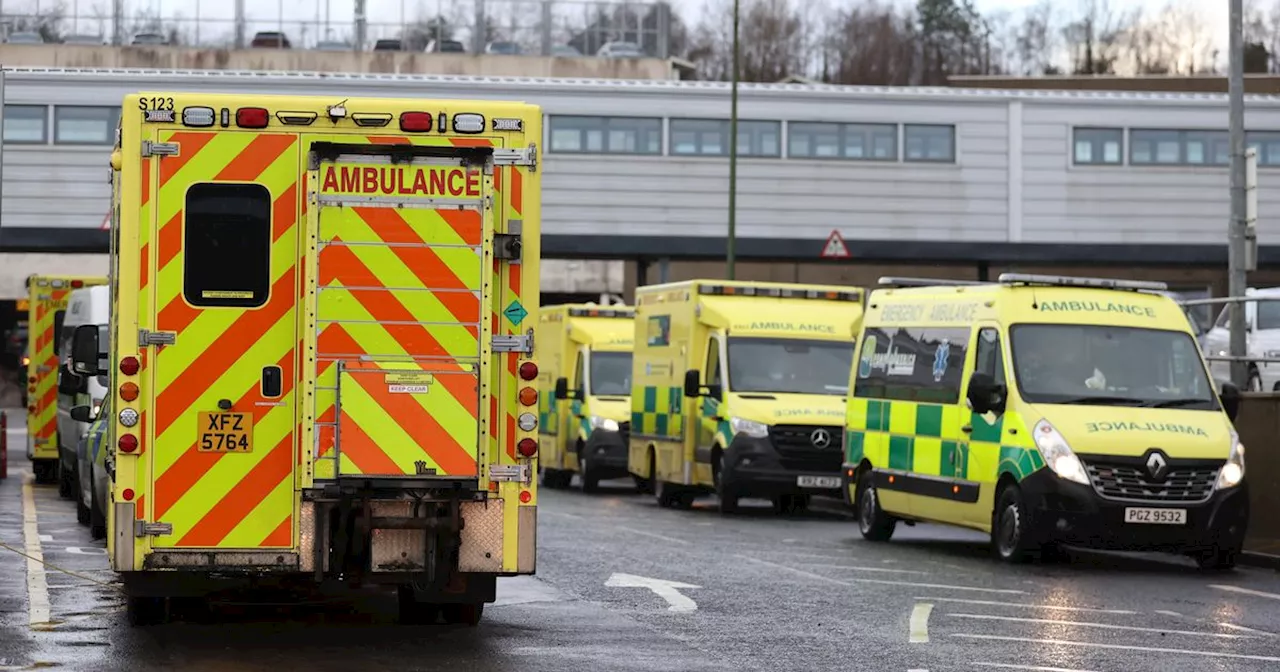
565,50
87,40
270,39
150,39
503,48
332,45
25,37
95,462
388,44
620,50
1262,340
446,47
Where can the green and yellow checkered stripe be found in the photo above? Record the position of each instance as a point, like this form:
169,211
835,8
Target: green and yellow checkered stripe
661,414
908,436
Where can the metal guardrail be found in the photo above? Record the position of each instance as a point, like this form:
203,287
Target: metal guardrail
4,444
1227,300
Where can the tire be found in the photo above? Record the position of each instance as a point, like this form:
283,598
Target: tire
650,486
463,614
1012,534
145,611
642,485
590,482
873,522
66,481
728,499
1218,559
82,510
45,471
666,495
97,519
412,612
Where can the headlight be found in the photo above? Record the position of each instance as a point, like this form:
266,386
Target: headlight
606,424
1233,471
1057,454
753,429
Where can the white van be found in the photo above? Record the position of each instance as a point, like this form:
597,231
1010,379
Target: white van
1262,340
90,305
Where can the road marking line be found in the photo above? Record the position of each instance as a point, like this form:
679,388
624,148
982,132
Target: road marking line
1030,668
1168,613
920,623
46,538
653,535
1120,612
1245,591
667,590
1242,628
1121,647
37,586
856,568
848,583
561,514
1108,626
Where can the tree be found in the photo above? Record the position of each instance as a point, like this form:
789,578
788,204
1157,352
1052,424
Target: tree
1034,40
953,39
770,36
1095,39
870,44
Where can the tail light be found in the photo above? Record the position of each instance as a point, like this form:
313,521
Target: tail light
129,366
415,122
528,371
252,117
129,391
525,496
527,447
31,379
528,396
127,494
128,443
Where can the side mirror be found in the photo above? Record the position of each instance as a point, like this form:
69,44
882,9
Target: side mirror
562,388
692,383
1230,400
84,351
82,414
985,394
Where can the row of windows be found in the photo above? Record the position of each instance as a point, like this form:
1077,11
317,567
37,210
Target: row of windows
71,124
758,139
1168,147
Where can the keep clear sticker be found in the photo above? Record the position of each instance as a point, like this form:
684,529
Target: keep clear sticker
407,382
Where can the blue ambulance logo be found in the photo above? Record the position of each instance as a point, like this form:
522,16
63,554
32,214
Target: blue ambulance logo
940,357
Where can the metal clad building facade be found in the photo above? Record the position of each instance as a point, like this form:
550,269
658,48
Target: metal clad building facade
636,163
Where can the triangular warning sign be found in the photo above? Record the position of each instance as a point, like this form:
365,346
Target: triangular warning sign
835,247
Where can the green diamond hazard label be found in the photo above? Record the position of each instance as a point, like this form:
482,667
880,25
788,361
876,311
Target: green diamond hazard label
515,312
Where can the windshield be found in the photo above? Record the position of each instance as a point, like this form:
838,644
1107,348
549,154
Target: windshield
611,373
789,366
1114,366
1268,314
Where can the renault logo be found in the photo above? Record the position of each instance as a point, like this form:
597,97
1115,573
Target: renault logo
1157,465
820,438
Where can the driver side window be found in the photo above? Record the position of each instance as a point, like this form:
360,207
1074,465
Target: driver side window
579,370
713,374
988,357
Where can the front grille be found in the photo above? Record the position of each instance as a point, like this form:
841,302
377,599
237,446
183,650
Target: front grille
1131,482
796,451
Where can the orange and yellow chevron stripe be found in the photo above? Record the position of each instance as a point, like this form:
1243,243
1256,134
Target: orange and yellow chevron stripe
240,500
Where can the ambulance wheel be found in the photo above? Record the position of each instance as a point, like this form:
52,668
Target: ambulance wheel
672,496
45,471
1217,559
463,614
66,481
97,520
874,523
413,612
144,611
590,481
728,498
82,511
642,485
1011,534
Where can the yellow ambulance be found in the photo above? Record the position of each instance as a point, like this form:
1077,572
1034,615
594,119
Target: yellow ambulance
585,393
739,390
1046,411
321,349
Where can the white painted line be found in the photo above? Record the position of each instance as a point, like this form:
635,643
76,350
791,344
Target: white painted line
46,538
77,550
1052,607
884,582
920,623
1241,628
1119,647
653,535
560,514
667,590
1168,613
1246,591
37,586
856,568
1108,626
1030,668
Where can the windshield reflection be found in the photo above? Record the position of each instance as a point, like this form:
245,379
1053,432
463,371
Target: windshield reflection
611,373
789,366
1109,366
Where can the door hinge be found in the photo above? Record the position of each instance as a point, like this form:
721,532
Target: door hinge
142,528
523,156
159,148
146,337
510,473
513,343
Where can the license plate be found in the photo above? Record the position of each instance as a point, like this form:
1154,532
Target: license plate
818,481
1147,516
225,433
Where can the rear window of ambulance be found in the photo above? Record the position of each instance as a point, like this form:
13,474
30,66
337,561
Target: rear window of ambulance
227,241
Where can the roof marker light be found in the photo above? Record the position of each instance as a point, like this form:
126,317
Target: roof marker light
444,123
516,125
1072,281
296,118
468,122
415,122
198,117
225,117
252,117
371,119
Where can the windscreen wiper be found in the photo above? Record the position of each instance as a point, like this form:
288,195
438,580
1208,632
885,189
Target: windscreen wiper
1085,401
1175,403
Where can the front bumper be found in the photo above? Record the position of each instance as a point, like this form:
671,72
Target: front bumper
1072,513
606,454
754,467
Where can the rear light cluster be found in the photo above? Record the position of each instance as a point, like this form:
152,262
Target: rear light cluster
129,443
527,422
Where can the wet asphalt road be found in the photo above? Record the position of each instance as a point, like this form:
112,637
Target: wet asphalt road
778,594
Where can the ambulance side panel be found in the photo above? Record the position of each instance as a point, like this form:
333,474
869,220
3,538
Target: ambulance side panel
552,344
665,326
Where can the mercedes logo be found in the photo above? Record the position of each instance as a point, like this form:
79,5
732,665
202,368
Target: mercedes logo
1157,465
820,438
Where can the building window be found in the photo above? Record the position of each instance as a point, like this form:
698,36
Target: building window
1178,148
863,142
227,233
26,124
1098,146
709,137
930,143
606,135
82,125
1268,145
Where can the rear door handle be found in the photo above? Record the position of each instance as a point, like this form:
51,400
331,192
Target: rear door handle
272,382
